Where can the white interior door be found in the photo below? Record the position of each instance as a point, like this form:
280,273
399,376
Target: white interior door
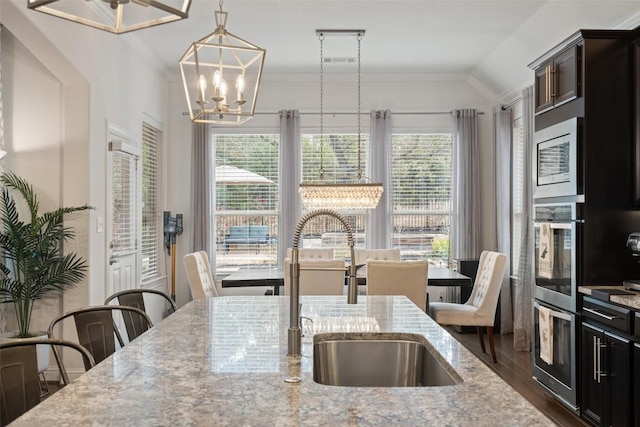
123,217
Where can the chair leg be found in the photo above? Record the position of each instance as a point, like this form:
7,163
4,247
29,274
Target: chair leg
491,344
481,338
44,385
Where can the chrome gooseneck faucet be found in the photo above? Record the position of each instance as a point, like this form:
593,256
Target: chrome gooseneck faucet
294,333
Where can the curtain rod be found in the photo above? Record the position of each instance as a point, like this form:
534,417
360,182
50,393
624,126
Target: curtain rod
511,104
405,113
313,113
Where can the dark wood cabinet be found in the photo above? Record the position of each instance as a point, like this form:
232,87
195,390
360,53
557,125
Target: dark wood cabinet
606,379
636,377
558,80
593,402
607,360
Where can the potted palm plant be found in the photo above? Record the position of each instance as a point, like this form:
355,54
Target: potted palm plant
32,263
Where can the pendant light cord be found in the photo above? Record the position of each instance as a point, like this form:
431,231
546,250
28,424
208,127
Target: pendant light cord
359,37
321,170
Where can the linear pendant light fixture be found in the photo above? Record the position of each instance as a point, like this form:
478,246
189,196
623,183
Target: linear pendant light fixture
210,64
356,195
115,16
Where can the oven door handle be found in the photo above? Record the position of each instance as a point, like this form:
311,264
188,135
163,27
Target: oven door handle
597,313
564,225
554,313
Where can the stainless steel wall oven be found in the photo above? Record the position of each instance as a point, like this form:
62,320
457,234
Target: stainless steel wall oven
559,376
557,238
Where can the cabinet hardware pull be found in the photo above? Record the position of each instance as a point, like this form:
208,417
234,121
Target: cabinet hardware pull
597,313
595,358
552,82
598,354
547,74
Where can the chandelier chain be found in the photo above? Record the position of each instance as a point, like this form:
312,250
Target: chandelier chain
321,170
220,4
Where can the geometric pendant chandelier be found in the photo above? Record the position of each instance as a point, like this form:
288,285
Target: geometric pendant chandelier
358,194
221,76
115,16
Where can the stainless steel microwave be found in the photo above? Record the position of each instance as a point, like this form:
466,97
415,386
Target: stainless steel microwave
557,160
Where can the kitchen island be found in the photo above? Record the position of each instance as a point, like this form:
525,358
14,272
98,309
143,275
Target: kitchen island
223,361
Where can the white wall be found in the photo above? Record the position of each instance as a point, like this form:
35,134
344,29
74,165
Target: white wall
98,78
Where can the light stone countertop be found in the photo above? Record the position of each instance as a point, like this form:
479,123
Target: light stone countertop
222,362
630,301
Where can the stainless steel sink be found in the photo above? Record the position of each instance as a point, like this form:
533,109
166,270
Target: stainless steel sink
377,360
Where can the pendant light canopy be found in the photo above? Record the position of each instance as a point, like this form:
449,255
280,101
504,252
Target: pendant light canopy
221,75
357,195
115,16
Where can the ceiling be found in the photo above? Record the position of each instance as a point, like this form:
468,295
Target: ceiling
489,43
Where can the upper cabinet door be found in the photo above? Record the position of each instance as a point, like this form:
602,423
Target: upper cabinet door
557,81
567,78
543,86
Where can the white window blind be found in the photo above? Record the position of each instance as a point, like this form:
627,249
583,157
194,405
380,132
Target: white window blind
421,178
517,185
339,158
123,215
151,232
246,193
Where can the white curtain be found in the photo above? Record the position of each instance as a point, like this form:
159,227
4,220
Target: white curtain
3,307
379,226
201,194
466,243
524,279
1,105
502,132
290,177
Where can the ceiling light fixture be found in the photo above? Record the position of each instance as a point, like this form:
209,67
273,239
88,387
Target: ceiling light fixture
205,68
115,16
356,195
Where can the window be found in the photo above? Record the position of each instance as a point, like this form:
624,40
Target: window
517,185
421,170
246,200
151,233
339,159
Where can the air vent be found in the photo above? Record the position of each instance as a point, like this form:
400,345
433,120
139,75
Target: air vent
340,60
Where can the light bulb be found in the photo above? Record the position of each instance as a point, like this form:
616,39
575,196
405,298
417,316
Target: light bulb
240,89
223,89
217,78
240,83
202,84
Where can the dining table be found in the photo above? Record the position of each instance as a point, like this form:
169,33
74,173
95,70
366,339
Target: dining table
247,277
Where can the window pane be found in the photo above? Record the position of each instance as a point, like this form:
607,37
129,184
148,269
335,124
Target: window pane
337,158
246,200
123,218
421,177
151,233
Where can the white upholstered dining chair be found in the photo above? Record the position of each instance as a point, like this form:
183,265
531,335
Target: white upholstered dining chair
317,276
362,255
199,275
407,278
312,253
480,309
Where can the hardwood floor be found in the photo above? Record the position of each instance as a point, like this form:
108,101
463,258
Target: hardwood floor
515,368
